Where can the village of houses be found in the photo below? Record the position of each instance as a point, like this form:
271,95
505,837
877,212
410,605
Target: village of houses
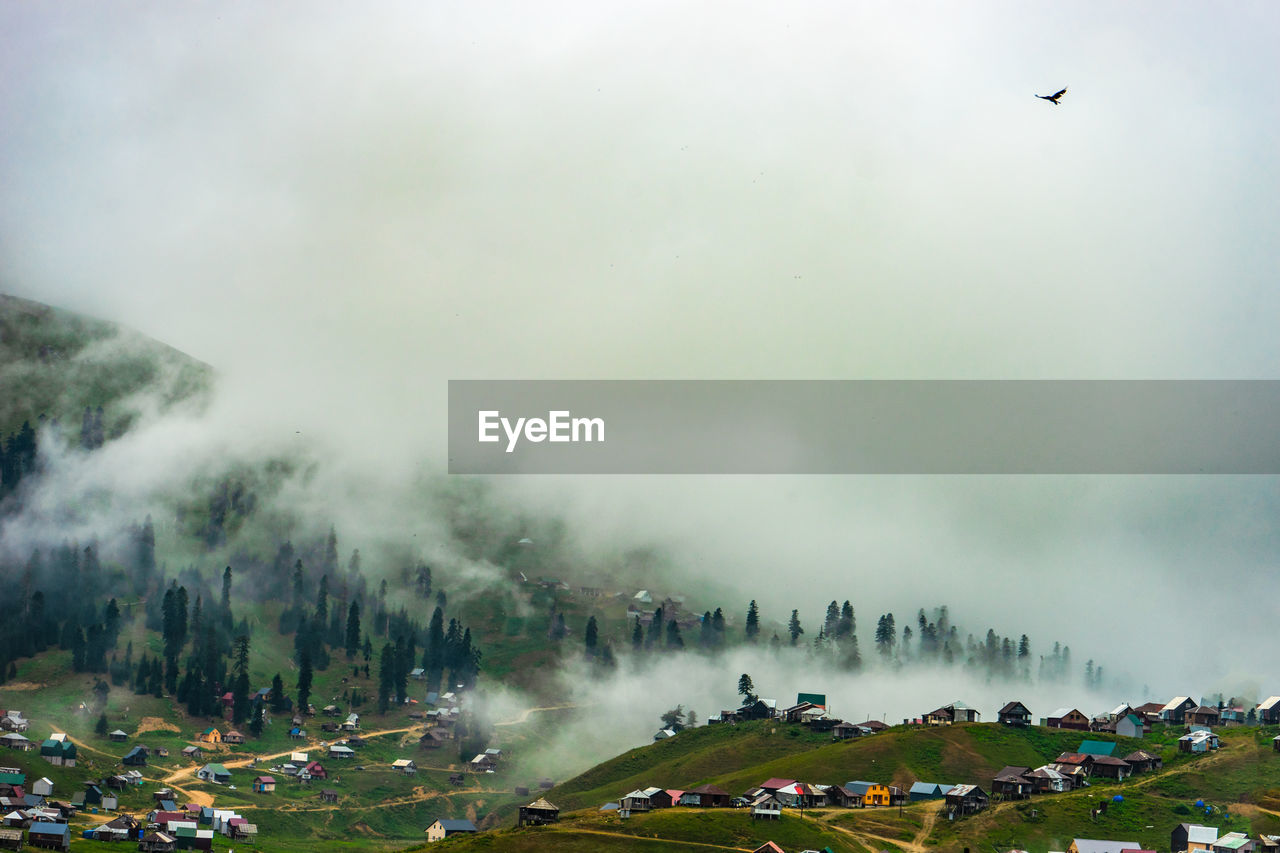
769,800
35,814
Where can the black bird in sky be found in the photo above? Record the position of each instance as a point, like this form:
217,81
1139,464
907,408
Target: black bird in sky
1055,97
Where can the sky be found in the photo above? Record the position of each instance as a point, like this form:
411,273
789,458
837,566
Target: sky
341,208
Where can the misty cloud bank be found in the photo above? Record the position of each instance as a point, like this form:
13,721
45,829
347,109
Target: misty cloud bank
623,710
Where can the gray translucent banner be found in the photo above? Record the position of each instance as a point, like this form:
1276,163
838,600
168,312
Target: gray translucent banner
864,427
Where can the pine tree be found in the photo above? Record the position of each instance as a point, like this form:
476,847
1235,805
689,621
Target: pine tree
101,727
886,635
717,626
591,638
276,696
752,628
322,600
226,593
706,634
637,636
304,680
240,683
400,678
386,677
433,655
140,679
654,637
793,627
111,622
78,651
145,553
197,622
850,656
674,640
847,624
746,689
424,581
156,681
353,630
257,721
471,658
169,630
330,565
832,620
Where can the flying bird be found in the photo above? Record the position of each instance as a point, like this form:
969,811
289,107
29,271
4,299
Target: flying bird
1055,97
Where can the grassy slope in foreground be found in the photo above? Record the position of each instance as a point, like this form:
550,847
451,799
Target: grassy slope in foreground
1242,779
737,757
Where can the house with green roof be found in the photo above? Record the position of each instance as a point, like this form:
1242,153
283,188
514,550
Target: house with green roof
1097,747
214,773
59,752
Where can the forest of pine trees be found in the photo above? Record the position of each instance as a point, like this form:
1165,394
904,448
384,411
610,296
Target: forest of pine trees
932,639
70,600
67,602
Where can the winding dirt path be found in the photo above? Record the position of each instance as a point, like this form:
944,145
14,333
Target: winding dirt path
419,796
524,717
175,779
868,839
926,826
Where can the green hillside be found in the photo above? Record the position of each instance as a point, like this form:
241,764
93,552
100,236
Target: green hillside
377,808
736,757
55,363
1240,782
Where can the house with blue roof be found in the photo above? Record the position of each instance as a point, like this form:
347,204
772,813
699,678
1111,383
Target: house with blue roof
445,827
927,791
52,836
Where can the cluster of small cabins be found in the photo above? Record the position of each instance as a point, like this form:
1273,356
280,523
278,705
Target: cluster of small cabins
29,816
1069,771
1124,720
767,800
40,821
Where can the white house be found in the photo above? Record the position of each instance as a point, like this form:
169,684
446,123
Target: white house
444,828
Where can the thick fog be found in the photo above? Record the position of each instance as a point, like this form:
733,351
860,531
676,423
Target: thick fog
340,209
624,710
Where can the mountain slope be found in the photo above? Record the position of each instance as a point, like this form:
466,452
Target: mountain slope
56,363
1240,783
